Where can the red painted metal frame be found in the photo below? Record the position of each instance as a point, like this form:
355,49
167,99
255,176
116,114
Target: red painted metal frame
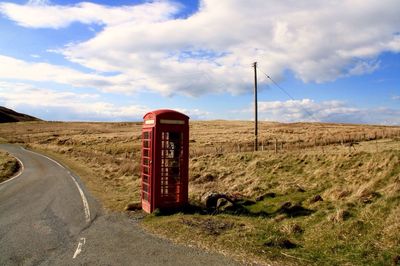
157,122
145,202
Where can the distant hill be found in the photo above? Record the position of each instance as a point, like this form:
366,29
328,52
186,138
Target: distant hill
8,115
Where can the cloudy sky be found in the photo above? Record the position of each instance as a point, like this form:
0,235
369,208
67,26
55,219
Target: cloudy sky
333,60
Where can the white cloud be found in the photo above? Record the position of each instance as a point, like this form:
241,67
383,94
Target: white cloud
211,51
38,2
195,113
396,97
319,41
22,70
73,106
361,68
307,110
66,105
41,14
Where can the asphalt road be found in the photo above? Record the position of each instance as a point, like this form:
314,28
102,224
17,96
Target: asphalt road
48,218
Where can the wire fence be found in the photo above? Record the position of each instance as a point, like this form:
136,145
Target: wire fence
276,145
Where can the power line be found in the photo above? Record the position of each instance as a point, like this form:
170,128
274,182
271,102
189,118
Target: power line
290,96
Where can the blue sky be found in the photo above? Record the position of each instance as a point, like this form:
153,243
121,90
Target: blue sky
115,60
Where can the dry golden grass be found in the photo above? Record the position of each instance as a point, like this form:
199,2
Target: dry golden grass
355,169
108,154
356,223
8,166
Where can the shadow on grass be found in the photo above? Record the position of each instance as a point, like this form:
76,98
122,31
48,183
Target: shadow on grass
238,208
293,210
187,209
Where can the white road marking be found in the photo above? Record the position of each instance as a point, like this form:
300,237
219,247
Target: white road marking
18,174
84,199
78,250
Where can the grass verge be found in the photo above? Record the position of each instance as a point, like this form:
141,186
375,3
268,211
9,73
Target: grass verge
9,166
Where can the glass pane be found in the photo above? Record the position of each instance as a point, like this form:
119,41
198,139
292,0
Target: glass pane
145,196
146,144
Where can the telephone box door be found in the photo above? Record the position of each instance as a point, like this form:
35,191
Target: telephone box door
147,143
171,167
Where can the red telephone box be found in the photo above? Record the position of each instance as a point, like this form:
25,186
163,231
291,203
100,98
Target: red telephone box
165,160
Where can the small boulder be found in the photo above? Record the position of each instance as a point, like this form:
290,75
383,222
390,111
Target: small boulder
224,205
210,199
221,202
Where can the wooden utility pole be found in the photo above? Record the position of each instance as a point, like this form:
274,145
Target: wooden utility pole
255,109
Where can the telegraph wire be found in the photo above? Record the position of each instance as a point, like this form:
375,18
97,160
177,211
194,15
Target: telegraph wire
292,98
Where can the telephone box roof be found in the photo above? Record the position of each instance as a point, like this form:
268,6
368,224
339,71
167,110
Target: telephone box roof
166,113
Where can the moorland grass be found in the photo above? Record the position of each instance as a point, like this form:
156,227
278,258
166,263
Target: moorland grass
355,223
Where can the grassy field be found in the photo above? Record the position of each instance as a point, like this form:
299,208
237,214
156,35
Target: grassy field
357,222
326,193
8,166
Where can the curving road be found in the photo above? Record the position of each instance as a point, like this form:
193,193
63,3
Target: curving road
48,218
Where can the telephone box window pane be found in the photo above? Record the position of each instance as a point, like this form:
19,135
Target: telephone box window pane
146,170
145,179
145,187
146,153
145,196
146,135
146,161
146,144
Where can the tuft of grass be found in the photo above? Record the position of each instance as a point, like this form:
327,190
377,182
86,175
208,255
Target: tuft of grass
9,166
